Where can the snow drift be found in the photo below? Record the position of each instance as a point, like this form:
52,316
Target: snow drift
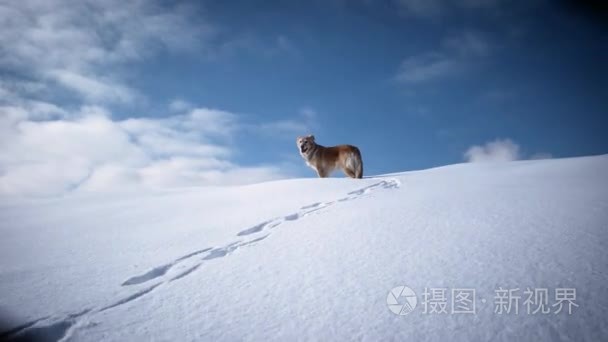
315,259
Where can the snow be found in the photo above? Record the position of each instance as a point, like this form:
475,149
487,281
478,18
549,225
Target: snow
312,259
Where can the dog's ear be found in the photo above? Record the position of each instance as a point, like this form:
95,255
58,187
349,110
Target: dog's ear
311,137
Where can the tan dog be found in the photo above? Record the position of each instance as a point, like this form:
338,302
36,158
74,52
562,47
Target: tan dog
325,159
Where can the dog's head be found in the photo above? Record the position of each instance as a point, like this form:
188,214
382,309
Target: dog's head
305,144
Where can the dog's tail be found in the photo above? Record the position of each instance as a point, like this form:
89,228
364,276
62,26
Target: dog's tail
357,162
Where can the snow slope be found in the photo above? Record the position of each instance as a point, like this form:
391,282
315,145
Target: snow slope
311,259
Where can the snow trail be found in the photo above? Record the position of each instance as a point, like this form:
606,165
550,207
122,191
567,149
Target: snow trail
60,328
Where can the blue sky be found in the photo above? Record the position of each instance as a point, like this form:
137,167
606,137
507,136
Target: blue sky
103,94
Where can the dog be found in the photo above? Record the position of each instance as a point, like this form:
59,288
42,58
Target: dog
325,159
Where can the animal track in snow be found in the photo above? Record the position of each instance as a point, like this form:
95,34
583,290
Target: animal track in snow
129,298
56,329
151,274
187,264
52,332
186,272
19,329
254,229
160,271
312,205
308,209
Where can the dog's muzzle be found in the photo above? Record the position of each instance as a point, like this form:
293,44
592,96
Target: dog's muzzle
303,148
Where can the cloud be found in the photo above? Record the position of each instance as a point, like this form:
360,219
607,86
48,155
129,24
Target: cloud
285,44
435,8
93,89
250,44
467,44
179,105
308,113
68,64
499,150
423,8
475,4
304,122
456,53
87,150
77,44
425,67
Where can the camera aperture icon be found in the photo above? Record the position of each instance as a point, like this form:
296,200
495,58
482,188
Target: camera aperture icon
401,300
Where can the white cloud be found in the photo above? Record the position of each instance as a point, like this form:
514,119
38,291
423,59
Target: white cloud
467,44
478,3
210,121
179,105
87,150
303,123
248,43
423,8
499,150
82,52
76,43
281,127
285,44
425,67
93,89
456,53
435,8
308,113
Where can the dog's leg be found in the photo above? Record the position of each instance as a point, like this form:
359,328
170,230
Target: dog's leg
350,173
322,173
359,171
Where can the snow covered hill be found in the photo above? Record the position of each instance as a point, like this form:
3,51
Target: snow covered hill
318,259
